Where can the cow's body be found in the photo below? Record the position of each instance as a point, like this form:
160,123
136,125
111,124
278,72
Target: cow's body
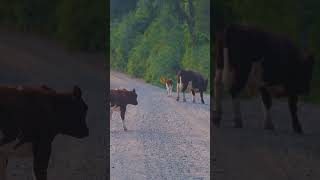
32,117
119,99
195,81
168,83
25,129
271,64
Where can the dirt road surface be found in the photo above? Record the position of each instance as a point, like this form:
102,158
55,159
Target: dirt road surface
252,153
29,60
166,139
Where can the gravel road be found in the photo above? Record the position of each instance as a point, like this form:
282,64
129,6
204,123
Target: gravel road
166,139
252,153
29,60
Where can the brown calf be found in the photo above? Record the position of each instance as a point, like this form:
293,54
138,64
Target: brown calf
168,83
119,99
35,116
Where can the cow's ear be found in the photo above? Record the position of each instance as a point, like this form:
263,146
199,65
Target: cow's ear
134,90
77,92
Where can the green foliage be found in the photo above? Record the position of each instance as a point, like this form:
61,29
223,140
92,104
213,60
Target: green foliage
124,35
79,24
156,38
120,8
166,50
271,15
28,15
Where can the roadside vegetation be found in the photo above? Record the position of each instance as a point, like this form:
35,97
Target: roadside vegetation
154,38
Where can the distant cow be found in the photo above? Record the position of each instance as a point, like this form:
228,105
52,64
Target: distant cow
195,81
119,99
271,63
35,116
168,83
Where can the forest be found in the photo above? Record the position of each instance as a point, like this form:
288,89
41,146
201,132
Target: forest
154,38
295,19
77,24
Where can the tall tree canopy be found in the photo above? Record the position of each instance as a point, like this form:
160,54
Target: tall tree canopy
153,38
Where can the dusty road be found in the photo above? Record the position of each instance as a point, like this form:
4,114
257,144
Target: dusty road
252,153
28,60
166,139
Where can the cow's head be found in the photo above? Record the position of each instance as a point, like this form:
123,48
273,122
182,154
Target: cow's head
132,99
75,116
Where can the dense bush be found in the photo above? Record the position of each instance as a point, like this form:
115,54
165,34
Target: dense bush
157,37
79,24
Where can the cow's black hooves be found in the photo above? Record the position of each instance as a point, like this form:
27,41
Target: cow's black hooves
216,118
300,132
237,124
269,127
297,129
216,122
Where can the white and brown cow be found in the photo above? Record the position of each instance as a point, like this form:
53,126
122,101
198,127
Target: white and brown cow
192,80
119,99
169,84
262,61
31,117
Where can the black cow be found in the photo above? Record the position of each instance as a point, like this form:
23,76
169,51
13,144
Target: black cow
35,115
119,99
274,64
194,80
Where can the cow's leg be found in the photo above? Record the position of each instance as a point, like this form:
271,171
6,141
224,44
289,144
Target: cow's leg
112,109
41,154
184,87
3,166
236,107
237,85
193,95
238,80
122,114
168,90
293,101
201,96
178,91
267,103
217,108
179,86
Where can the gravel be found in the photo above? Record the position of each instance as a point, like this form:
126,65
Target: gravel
255,153
166,139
